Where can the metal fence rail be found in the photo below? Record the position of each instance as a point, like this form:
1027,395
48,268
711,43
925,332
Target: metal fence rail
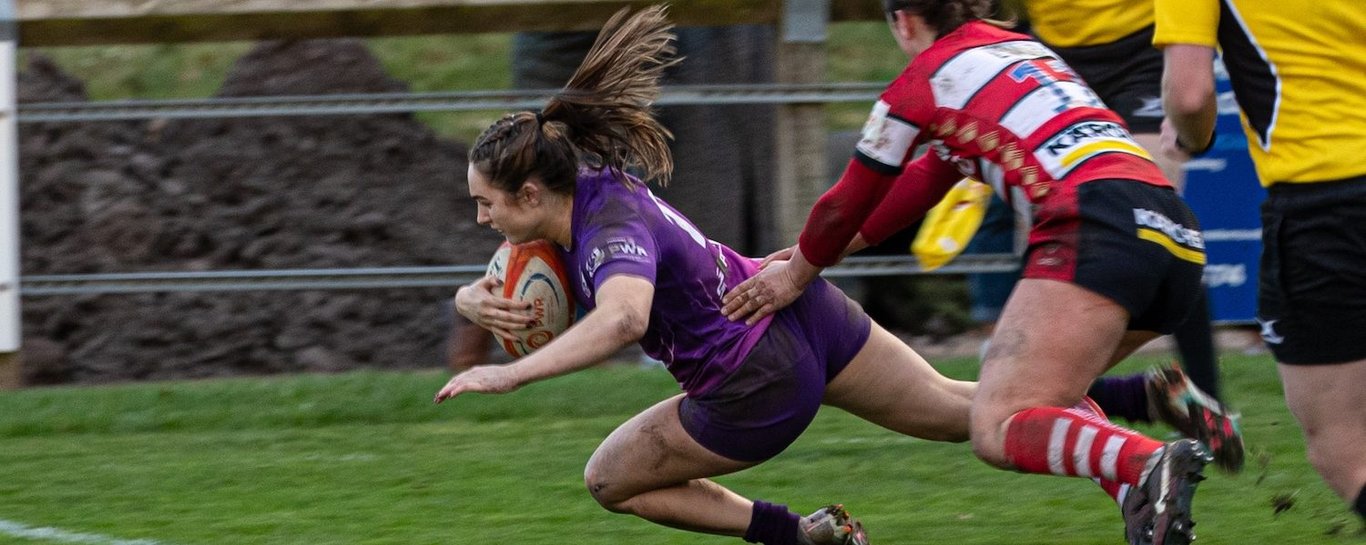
380,103
906,264
410,277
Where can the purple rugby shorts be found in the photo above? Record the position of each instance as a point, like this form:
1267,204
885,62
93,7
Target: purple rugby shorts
766,403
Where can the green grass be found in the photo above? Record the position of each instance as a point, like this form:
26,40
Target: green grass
861,52
364,458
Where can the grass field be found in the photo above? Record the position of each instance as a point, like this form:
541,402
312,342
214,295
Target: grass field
364,458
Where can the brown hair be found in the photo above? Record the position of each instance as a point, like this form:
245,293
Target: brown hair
602,116
945,16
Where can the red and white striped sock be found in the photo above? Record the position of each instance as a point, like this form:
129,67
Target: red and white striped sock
1078,442
1115,489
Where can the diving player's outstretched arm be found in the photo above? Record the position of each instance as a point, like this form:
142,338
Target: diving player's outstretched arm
622,313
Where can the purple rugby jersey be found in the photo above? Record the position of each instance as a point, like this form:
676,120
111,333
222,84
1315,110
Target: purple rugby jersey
621,230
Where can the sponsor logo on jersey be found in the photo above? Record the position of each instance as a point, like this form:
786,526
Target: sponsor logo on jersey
615,249
595,259
1077,143
1181,241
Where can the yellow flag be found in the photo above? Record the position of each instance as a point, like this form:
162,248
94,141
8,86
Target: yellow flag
950,224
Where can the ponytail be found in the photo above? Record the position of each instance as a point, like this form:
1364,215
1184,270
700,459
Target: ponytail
603,116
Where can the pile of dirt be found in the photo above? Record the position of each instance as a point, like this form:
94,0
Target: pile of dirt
237,194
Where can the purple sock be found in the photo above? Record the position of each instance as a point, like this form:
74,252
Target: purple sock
1124,397
772,525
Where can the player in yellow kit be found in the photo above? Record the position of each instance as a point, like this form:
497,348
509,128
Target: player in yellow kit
1297,69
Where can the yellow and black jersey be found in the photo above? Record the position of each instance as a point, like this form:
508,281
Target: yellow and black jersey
1079,23
1298,69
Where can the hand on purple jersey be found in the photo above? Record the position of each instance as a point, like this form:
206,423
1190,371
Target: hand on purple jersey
485,379
774,287
482,303
780,255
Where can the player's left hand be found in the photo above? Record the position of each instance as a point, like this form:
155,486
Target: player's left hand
763,294
481,303
485,379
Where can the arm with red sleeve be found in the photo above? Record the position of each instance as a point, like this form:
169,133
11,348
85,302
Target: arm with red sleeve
921,186
837,215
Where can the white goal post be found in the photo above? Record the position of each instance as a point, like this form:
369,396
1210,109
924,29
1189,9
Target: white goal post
9,184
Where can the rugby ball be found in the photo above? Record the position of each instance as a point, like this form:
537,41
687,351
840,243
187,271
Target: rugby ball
533,272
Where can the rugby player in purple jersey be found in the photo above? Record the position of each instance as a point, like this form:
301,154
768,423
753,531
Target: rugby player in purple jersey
645,274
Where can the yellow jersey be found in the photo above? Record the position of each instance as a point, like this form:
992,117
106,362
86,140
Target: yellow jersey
1079,23
1298,69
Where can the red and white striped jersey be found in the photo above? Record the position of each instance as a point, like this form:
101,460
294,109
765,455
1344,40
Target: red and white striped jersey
1006,110
991,104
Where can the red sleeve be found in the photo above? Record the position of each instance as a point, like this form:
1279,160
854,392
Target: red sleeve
836,217
921,186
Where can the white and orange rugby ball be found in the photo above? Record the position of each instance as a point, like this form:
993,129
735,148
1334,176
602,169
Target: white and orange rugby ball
533,272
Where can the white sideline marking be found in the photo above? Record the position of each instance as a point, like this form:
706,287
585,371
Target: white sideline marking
15,529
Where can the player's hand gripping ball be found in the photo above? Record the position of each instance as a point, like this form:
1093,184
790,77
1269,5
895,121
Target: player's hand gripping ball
533,272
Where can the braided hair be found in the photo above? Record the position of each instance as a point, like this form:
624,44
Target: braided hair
603,116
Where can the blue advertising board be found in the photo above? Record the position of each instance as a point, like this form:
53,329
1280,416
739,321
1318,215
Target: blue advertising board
1222,189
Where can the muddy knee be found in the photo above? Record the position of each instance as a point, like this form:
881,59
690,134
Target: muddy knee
601,488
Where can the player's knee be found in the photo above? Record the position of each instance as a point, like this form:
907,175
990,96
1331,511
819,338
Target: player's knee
608,496
989,454
1322,456
987,444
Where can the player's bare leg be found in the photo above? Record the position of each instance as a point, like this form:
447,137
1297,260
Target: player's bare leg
1053,339
1327,402
650,467
889,384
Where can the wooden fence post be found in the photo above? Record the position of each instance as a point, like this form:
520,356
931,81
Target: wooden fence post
800,140
11,372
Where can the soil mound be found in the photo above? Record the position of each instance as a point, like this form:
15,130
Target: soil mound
236,194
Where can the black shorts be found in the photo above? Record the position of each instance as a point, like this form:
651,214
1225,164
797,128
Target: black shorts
1126,74
1311,298
1134,243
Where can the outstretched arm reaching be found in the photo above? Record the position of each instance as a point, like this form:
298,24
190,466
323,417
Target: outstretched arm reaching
622,313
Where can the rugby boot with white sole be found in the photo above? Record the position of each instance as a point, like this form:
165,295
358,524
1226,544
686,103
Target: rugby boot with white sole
1158,512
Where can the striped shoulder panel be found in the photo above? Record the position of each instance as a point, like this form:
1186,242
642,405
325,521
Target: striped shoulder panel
1252,73
959,79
